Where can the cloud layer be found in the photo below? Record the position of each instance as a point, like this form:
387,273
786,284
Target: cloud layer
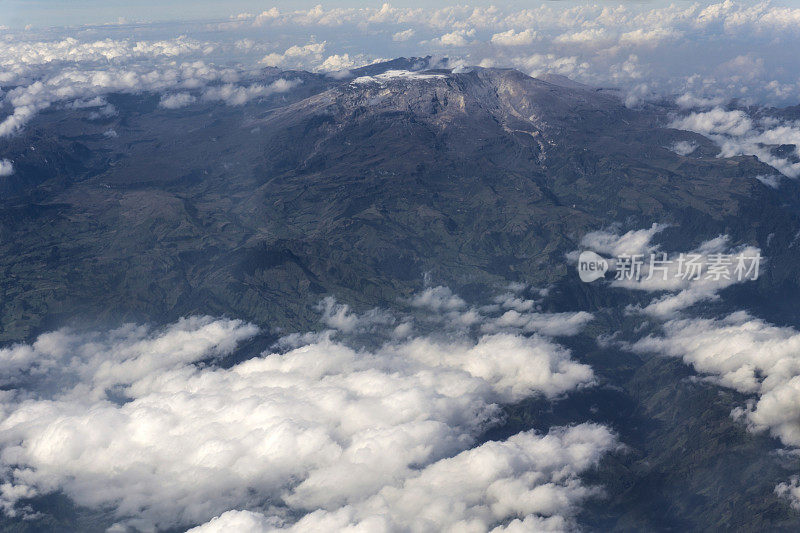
326,429
738,133
646,51
644,48
530,481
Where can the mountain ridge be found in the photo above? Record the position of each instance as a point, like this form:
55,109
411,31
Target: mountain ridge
428,172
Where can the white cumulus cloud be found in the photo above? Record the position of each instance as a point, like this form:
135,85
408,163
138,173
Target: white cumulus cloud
176,100
737,133
6,168
402,36
746,354
751,356
238,95
529,480
514,38
147,424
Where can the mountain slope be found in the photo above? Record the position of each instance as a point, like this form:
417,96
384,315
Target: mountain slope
355,187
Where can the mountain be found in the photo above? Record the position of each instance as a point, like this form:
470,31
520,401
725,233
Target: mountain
353,187
363,187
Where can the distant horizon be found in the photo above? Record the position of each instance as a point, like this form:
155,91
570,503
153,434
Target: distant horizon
648,49
17,14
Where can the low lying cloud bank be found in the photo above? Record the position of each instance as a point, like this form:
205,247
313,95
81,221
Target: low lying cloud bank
319,434
737,133
751,356
610,242
87,87
529,482
746,354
